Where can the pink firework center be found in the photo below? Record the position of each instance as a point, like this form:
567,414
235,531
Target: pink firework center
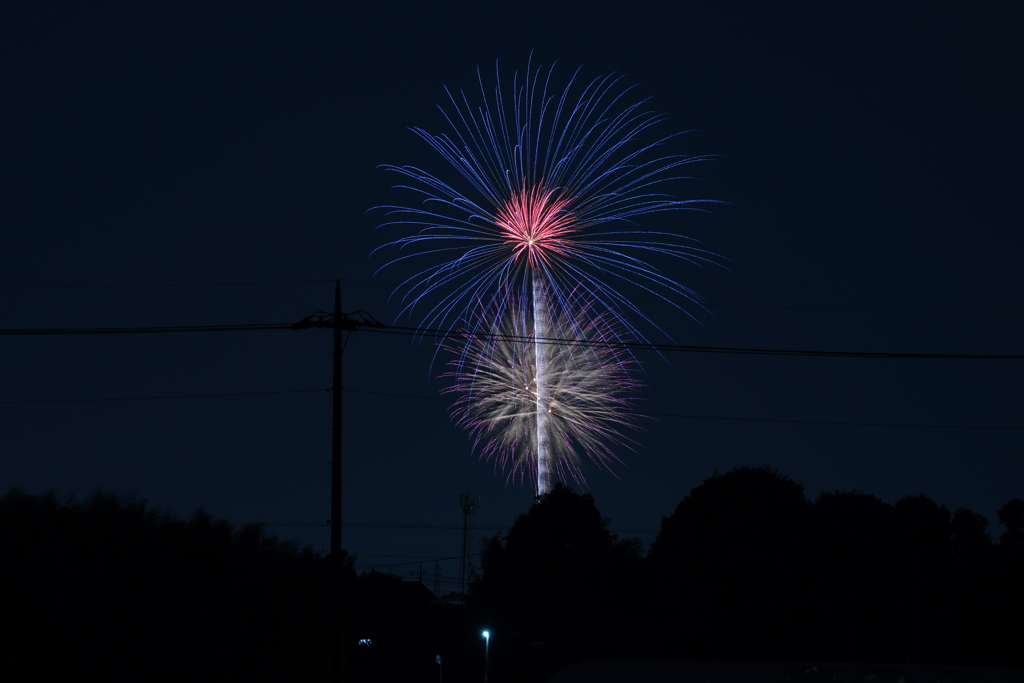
536,225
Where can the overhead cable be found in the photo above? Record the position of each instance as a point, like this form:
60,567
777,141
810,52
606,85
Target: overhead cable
725,417
395,285
154,398
646,346
424,331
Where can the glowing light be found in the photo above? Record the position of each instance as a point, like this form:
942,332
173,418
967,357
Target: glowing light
586,401
547,185
535,225
535,230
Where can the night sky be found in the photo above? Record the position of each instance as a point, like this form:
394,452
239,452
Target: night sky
871,158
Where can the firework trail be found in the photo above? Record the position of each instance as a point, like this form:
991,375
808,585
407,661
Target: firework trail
552,184
538,407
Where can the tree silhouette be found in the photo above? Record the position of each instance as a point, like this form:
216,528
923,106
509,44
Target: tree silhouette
745,567
1011,515
109,586
1010,587
553,580
969,539
923,554
854,541
731,562
550,564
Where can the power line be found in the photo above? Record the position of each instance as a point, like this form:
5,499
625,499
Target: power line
399,525
734,350
382,525
388,393
450,401
723,417
424,558
183,284
389,525
423,561
422,331
397,285
154,398
830,422
159,329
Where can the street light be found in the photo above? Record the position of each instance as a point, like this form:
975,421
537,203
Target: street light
487,654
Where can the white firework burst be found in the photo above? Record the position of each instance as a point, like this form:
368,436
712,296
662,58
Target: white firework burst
571,390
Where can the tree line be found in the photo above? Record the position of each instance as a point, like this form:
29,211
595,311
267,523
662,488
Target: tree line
746,567
109,587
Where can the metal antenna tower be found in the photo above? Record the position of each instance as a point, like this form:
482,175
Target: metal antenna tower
469,502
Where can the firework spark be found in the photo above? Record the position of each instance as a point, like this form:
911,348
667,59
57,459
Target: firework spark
540,407
543,233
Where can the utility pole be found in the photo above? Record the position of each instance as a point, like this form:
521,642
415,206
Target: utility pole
340,323
849,621
336,563
916,659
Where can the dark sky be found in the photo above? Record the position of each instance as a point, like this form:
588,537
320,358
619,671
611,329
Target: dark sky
872,157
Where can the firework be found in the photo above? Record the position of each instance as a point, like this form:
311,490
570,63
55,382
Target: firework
537,227
540,407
